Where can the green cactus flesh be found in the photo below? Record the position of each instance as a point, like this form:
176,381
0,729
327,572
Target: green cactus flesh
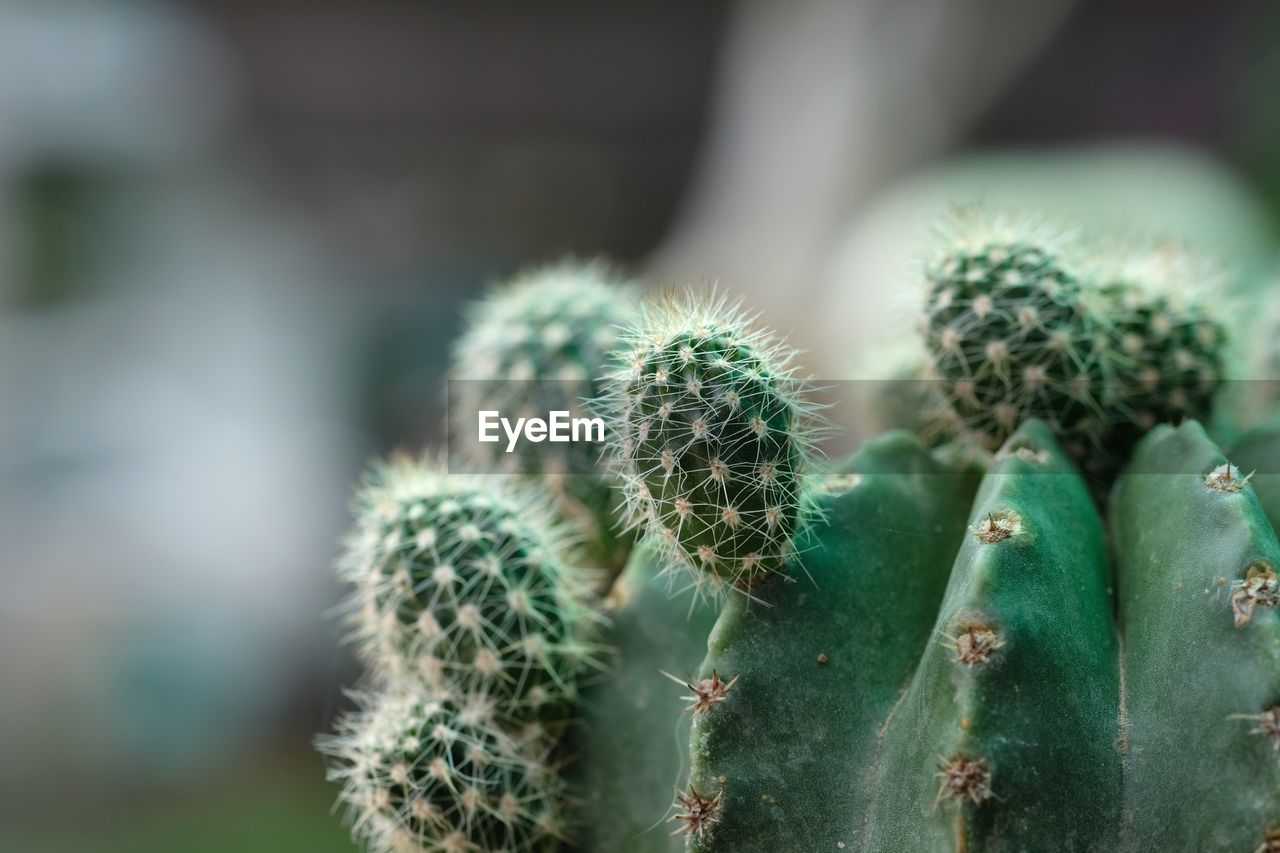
818,660
1257,454
1197,592
627,752
1005,739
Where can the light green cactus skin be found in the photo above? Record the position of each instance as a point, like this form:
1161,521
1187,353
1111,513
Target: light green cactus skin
1196,778
1019,679
628,750
821,657
1257,454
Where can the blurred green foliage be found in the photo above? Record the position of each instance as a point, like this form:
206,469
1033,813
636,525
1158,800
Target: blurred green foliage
266,810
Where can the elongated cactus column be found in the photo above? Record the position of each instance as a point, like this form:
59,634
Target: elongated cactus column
1005,739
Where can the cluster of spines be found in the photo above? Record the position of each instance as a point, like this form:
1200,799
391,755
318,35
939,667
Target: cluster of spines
459,583
713,438
475,630
1168,346
428,774
1009,337
1015,331
543,342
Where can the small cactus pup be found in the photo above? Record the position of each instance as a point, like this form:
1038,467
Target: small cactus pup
461,583
712,436
1008,334
423,774
628,746
541,343
798,683
1168,345
1005,739
1196,581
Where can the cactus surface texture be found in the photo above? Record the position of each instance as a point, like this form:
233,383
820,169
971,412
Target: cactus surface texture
713,439
541,343
1055,627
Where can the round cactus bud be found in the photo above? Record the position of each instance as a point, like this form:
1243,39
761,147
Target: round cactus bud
539,344
1009,338
422,774
713,436
460,583
1169,357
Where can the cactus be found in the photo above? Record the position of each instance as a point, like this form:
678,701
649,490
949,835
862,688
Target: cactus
424,774
713,439
538,344
1009,335
919,649
461,583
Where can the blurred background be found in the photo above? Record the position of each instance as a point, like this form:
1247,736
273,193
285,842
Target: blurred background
235,238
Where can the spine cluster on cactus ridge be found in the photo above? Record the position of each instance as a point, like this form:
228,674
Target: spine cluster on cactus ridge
713,438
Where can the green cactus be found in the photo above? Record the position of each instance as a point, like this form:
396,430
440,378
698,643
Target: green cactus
712,437
1167,345
419,773
1257,453
1005,738
460,583
907,658
538,344
1197,590
1009,336
638,711
817,665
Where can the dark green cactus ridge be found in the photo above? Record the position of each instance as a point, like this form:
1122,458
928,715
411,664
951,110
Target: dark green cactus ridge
424,774
784,761
543,343
632,733
1009,339
713,440
1196,564
1005,739
459,583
